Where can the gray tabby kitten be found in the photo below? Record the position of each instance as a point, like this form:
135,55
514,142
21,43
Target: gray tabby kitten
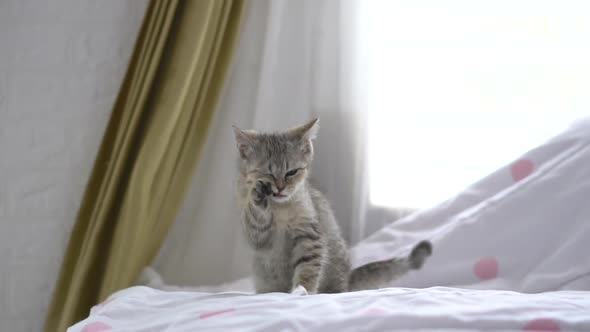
290,225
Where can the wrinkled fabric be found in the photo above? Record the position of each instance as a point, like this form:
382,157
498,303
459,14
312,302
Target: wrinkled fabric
523,228
142,309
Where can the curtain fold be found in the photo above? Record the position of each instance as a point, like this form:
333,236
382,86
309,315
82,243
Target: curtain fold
155,135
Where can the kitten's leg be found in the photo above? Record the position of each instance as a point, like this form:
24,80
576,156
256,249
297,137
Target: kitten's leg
266,280
308,256
338,284
264,285
257,219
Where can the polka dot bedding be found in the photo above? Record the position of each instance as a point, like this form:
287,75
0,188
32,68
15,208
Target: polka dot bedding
523,228
145,309
511,253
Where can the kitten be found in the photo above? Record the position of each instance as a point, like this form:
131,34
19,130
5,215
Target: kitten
290,225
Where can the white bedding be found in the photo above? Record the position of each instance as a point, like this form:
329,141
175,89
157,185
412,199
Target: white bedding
145,309
525,228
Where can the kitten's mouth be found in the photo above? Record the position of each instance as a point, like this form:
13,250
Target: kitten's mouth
279,195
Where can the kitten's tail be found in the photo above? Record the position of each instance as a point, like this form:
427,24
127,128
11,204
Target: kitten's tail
378,274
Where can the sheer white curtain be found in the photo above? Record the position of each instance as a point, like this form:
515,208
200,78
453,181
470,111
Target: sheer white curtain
295,60
459,88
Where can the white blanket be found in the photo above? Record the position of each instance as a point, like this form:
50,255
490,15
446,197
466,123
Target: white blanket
144,309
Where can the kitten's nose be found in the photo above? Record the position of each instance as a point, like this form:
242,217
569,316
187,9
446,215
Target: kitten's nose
280,186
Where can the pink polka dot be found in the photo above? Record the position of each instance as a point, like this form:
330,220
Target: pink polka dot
216,312
486,268
96,327
521,169
542,324
374,311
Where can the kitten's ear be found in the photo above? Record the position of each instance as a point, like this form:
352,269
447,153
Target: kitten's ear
308,131
244,141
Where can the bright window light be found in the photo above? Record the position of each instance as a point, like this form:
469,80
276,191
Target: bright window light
457,89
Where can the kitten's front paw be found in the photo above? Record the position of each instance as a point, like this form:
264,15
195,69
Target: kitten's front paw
299,290
260,193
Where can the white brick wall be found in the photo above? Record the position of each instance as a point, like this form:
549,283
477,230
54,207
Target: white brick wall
61,64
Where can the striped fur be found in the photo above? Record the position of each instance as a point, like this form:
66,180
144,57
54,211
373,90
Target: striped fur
290,225
375,275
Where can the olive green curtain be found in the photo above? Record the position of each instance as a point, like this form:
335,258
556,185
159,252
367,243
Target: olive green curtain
154,138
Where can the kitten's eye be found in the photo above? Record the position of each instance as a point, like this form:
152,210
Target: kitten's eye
291,172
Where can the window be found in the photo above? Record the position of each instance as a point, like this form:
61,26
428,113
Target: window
457,89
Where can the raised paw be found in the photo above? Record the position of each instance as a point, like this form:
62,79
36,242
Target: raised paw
261,192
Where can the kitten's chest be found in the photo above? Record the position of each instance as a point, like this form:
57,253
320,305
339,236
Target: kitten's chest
286,215
281,250
276,262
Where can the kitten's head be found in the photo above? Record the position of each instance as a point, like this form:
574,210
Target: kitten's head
283,158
